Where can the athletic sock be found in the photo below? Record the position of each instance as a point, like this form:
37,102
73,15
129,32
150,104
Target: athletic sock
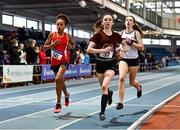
104,100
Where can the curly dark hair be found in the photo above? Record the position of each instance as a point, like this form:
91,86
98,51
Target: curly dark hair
63,17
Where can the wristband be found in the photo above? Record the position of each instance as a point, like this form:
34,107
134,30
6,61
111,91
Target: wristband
130,43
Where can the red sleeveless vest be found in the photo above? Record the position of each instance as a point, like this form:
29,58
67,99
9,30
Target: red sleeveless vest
61,52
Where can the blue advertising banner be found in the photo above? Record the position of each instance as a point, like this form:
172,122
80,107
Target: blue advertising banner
73,71
85,70
47,73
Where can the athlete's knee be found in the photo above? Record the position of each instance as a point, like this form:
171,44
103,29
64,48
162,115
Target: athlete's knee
122,79
121,91
59,79
104,88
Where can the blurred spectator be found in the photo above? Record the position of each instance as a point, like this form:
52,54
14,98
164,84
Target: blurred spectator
22,55
37,50
21,34
30,53
13,52
150,58
6,58
1,49
72,55
42,56
82,56
83,45
31,33
37,68
86,59
78,59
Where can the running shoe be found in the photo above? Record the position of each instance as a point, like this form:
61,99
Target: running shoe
119,106
139,93
57,108
110,97
102,116
66,101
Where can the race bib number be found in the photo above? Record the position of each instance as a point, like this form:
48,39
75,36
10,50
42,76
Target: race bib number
106,55
56,54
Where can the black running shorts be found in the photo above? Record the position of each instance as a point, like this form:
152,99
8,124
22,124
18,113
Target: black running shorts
102,66
56,68
131,62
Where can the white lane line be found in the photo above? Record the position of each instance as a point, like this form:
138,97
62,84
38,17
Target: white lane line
35,100
140,105
39,100
45,110
52,85
32,97
148,105
143,118
27,88
144,78
86,100
59,128
41,86
84,86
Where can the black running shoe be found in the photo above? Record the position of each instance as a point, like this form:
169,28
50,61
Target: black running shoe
139,93
110,97
102,116
119,106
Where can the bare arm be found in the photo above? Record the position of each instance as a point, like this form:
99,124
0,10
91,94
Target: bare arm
122,45
90,48
47,44
70,41
139,45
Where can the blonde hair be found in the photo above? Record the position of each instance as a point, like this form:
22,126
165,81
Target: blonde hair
32,43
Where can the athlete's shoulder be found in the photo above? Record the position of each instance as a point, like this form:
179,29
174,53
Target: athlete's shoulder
68,35
51,34
117,34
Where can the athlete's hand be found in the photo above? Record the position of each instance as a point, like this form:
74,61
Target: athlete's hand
108,49
129,41
57,42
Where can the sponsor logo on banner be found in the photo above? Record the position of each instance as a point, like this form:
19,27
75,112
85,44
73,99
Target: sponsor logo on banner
17,73
47,73
85,70
73,71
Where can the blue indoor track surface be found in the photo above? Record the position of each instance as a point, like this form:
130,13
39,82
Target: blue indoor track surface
31,107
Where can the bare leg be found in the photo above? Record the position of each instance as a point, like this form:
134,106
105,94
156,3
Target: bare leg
60,82
132,77
64,89
123,70
105,85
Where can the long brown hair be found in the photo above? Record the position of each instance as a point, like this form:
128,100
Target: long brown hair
136,26
97,26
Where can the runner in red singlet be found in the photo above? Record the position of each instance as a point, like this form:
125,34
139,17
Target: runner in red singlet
60,43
